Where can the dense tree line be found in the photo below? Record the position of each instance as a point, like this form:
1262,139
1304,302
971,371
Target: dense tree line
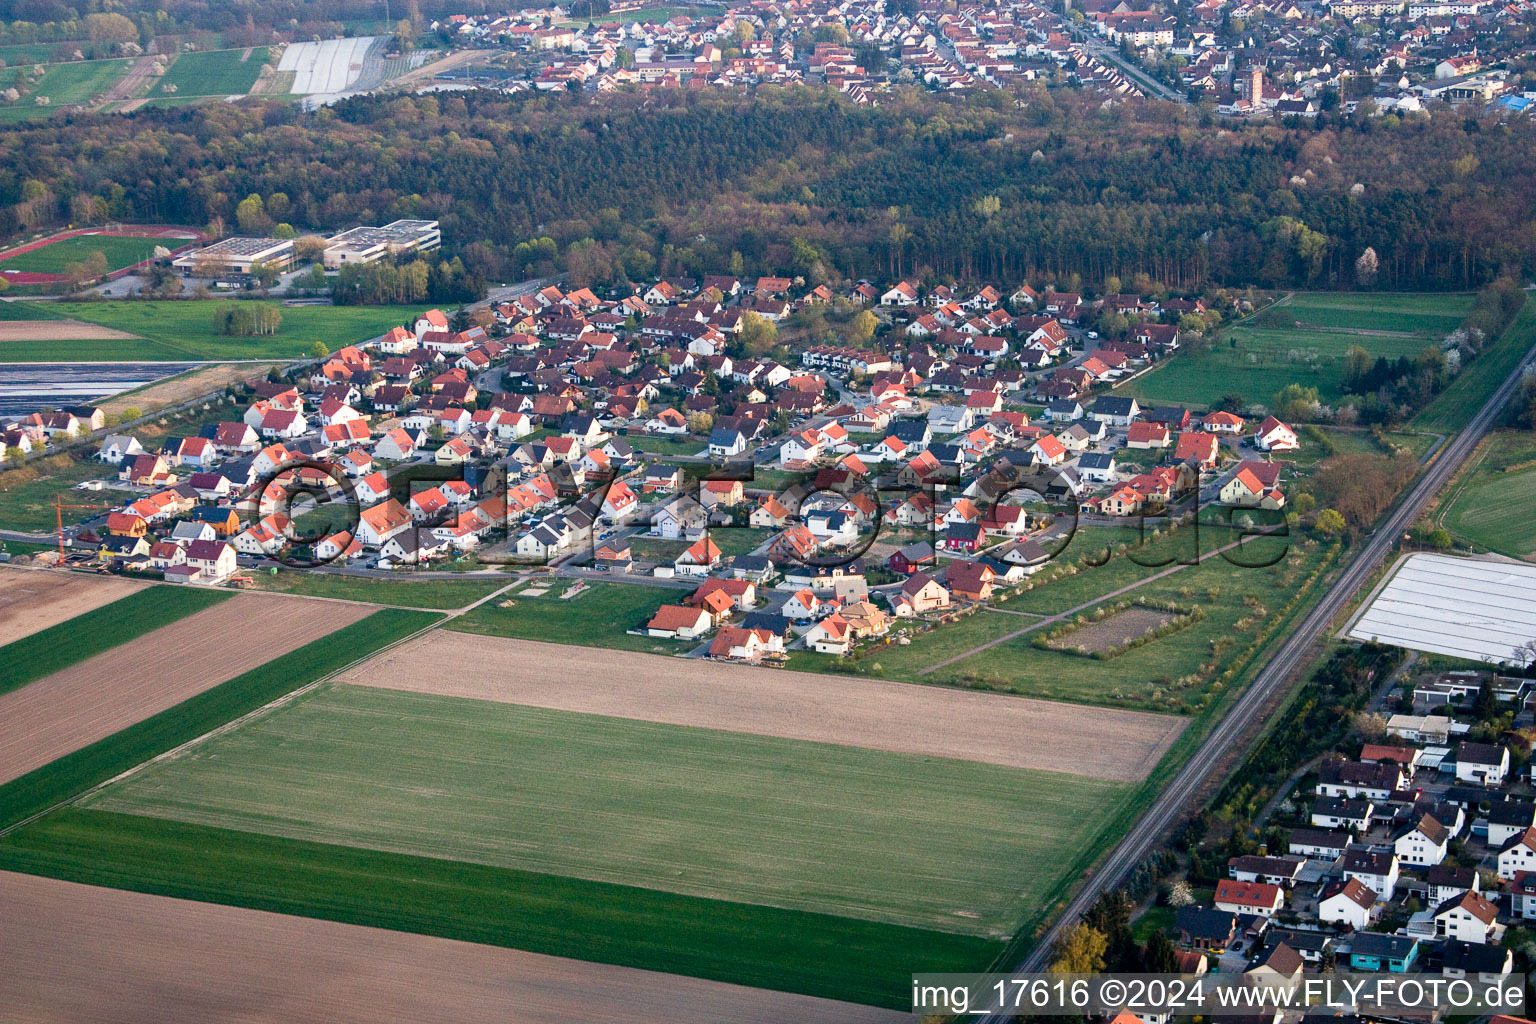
986,187
376,284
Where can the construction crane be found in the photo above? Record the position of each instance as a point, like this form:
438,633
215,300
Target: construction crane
58,516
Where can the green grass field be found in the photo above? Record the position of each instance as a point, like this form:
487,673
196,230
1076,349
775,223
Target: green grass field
121,251
211,73
597,617
27,493
100,629
1457,404
665,446
1301,341
442,594
178,331
17,54
74,773
1429,314
27,311
909,840
1491,505
63,84
659,15
1165,675
817,954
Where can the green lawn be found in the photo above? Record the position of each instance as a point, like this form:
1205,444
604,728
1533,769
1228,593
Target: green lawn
27,493
1171,674
186,330
211,73
1491,506
1457,404
817,954
666,446
738,540
597,617
120,251
17,54
1432,314
63,84
901,839
27,311
443,594
1301,341
100,629
659,15
74,773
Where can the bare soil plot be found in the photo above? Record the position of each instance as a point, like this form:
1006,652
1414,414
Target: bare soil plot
34,599
95,698
1112,631
58,330
991,728
185,387
79,952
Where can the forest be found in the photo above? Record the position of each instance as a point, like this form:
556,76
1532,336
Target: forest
1040,186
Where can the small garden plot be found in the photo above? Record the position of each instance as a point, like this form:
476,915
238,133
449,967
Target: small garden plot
1115,629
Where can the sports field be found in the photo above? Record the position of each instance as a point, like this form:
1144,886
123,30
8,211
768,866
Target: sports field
1301,340
212,73
1491,505
64,84
182,331
120,250
951,845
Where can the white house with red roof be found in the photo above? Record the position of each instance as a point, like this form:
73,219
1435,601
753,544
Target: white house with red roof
1274,436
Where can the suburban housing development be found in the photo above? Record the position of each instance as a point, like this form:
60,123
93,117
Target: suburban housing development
722,512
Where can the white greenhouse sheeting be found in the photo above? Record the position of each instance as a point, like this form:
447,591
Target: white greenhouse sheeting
327,66
1462,607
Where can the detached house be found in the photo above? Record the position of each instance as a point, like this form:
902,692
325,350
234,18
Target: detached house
1468,918
1483,763
1348,902
1423,843
1259,898
1274,436
919,595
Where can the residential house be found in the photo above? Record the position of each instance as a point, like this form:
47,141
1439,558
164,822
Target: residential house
1483,763
1374,952
1349,902
1468,918
919,595
1274,436
1259,898
1115,410
679,622
1423,843
832,635
1376,868
739,643
1518,854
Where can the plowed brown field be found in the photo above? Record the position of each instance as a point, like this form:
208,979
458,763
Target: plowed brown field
95,698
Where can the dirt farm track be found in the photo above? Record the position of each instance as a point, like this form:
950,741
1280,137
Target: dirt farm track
32,599
96,697
904,717
77,953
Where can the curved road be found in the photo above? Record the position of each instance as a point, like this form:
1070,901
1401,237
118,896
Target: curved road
1272,679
